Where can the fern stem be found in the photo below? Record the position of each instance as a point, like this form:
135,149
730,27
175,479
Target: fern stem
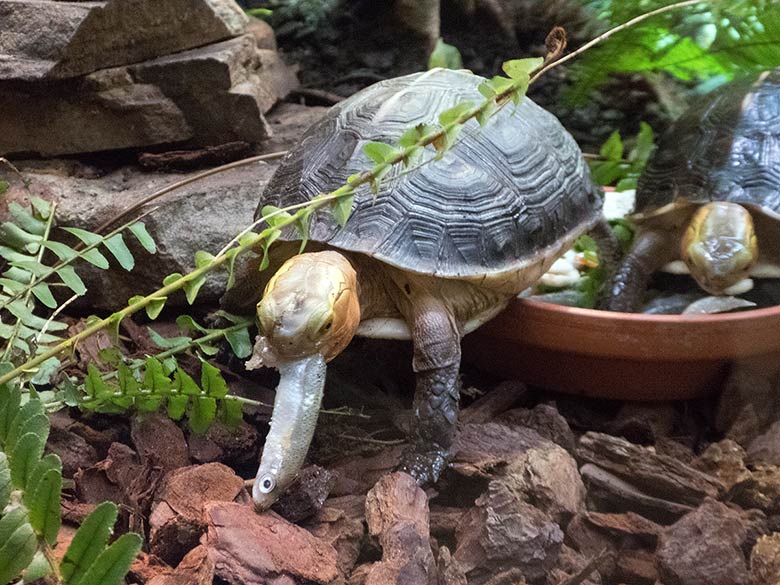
33,281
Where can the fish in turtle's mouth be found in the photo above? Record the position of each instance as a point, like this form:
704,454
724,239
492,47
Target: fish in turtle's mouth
309,313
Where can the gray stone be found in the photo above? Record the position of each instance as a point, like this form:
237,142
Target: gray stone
765,449
205,96
704,548
503,532
57,40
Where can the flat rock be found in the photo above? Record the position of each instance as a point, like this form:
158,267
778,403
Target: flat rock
258,549
397,515
306,495
503,532
340,522
493,403
219,205
176,522
55,40
72,449
206,96
237,447
610,493
159,441
637,567
704,548
761,490
724,460
194,569
357,475
765,560
545,420
644,423
765,448
548,478
628,526
657,475
480,449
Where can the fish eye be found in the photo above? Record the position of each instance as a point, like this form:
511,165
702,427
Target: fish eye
266,484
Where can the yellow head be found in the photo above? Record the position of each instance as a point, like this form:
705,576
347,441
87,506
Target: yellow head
310,306
720,246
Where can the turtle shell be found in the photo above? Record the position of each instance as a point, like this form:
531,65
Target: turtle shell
507,193
726,147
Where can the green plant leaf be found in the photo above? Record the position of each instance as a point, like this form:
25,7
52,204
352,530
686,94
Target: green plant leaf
177,406
10,399
90,540
166,342
94,385
72,280
5,481
184,383
341,208
153,309
37,424
445,56
139,231
520,69
212,382
41,207
95,258
62,251
154,379
379,152
274,216
43,293
116,245
240,342
113,563
46,371
47,463
204,410
24,456
25,220
451,115
30,410
45,506
18,549
612,149
269,236
231,412
38,568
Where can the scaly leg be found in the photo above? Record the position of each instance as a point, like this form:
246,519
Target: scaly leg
650,251
436,362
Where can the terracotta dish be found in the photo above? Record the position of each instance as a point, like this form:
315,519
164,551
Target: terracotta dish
625,356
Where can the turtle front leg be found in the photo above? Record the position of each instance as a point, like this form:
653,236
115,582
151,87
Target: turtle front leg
436,362
650,251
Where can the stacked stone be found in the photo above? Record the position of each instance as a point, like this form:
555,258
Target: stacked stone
78,77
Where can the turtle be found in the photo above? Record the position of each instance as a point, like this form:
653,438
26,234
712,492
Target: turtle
438,250
710,195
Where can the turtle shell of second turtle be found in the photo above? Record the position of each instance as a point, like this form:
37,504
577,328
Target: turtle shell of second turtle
726,147
506,194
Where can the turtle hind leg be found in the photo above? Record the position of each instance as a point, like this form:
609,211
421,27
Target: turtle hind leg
436,363
624,291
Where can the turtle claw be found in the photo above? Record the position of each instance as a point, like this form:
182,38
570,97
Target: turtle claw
425,466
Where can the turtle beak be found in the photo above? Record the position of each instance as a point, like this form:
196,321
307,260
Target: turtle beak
720,246
296,406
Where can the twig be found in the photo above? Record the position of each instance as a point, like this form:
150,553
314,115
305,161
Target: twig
390,442
184,182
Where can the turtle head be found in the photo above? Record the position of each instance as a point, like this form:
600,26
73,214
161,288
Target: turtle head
308,315
309,306
720,246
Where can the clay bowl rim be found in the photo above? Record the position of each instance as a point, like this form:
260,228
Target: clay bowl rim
638,336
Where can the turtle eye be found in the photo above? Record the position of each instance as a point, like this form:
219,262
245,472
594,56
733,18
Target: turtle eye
267,483
327,325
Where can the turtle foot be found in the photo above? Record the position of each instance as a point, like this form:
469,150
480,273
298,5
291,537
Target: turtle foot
424,465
